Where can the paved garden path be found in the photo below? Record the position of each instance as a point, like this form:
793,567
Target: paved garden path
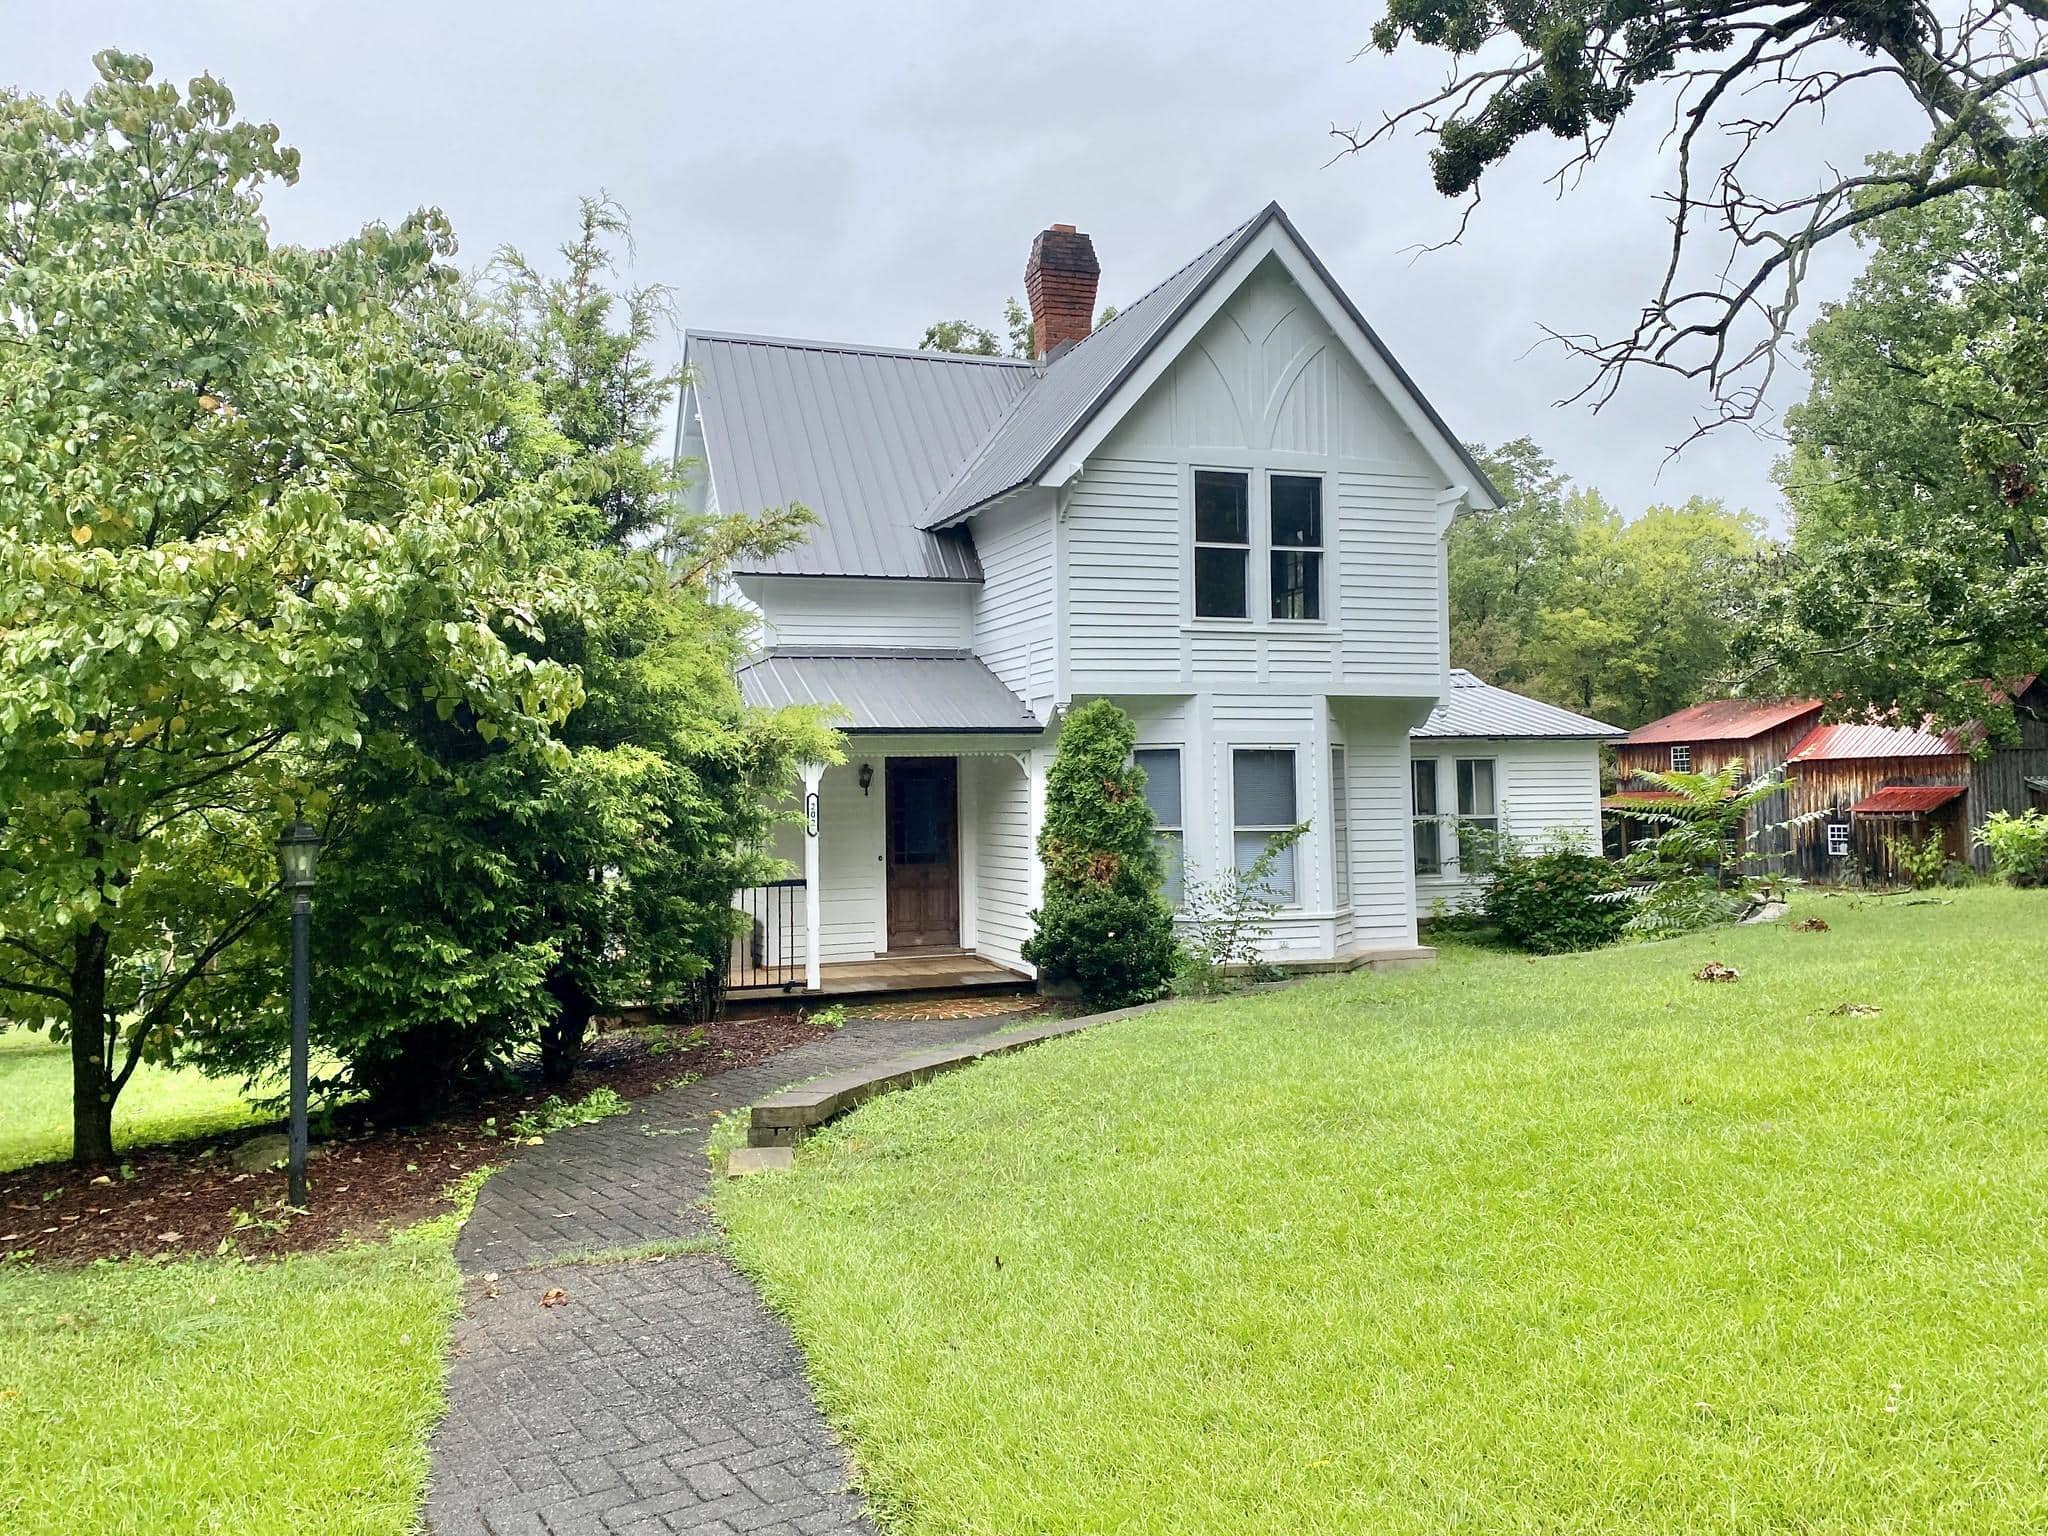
660,1396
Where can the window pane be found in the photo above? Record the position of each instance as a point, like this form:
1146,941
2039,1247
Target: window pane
1475,786
1220,583
1220,508
1429,857
1340,826
1280,882
1162,783
1297,512
1172,859
1262,786
1424,773
1297,584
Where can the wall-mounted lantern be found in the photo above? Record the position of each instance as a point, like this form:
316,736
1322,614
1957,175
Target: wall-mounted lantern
867,776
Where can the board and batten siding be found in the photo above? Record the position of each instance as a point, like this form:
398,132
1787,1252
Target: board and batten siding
1265,387
826,612
1014,618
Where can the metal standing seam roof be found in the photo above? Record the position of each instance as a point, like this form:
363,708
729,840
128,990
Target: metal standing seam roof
1476,708
1722,720
866,437
889,689
1846,743
1077,383
1907,799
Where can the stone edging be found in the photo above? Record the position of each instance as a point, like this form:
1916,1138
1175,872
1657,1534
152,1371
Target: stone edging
784,1119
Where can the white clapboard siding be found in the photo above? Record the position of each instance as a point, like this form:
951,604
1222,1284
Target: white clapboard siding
1545,790
1014,609
829,611
1003,858
1382,857
1123,572
1389,579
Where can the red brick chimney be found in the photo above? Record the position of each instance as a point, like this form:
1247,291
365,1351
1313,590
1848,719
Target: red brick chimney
1060,280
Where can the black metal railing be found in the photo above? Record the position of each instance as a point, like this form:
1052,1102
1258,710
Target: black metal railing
769,951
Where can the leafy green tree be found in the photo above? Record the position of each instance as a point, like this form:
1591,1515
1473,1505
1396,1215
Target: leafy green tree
1919,558
1103,925
246,492
960,336
1725,77
487,897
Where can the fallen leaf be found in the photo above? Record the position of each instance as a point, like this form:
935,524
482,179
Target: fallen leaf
1811,925
1856,1010
1714,970
170,1237
555,1297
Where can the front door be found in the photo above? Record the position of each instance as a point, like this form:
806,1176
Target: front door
924,852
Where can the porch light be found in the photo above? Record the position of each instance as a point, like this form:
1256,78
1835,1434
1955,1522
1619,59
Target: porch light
867,776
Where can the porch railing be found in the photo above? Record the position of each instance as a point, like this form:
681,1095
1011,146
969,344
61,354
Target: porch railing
769,951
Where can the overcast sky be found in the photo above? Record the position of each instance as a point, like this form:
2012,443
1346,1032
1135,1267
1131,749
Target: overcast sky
853,172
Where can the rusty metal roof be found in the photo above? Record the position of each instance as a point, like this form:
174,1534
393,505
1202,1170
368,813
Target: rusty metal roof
1907,799
1630,799
1722,720
1846,743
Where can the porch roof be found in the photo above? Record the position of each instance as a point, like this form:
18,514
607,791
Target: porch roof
896,690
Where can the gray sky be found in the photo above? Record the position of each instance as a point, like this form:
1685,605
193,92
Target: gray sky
853,172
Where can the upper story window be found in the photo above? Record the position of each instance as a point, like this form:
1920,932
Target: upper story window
1163,795
1223,544
1681,759
1297,550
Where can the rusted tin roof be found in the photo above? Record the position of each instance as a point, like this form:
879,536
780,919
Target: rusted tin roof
1636,799
1722,720
1907,799
1845,743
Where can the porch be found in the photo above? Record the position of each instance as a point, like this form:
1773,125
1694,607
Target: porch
948,971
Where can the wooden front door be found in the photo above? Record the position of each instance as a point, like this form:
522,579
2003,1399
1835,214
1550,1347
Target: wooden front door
924,852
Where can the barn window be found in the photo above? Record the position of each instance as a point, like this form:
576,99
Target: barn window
1838,839
1223,544
1681,759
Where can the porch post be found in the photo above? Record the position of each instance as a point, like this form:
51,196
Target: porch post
813,774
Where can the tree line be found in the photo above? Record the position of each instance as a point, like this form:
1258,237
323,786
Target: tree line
355,534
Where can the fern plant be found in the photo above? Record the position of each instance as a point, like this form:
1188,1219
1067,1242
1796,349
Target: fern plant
1695,871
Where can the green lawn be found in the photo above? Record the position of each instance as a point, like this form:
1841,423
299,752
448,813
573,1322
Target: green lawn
159,1104
1569,1245
215,1396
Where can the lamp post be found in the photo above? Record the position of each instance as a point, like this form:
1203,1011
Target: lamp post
298,850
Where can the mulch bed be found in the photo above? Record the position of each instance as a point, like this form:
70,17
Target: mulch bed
188,1198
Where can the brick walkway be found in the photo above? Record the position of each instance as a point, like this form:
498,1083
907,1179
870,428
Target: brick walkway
660,1396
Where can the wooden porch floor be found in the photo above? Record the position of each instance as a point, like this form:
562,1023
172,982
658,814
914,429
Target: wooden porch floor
932,971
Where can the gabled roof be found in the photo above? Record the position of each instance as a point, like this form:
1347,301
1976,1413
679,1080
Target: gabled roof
866,437
888,689
1722,720
1078,383
1846,743
1475,708
892,447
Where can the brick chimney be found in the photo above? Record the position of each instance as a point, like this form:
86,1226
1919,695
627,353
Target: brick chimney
1059,281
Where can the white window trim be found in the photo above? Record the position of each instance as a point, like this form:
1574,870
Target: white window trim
1340,827
1321,550
1294,750
1839,839
1445,867
1258,470
1457,814
1681,750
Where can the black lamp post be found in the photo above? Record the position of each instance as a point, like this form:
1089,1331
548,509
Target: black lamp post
298,850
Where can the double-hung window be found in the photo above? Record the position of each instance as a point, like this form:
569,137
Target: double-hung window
1296,521
1478,813
1838,839
1263,803
1340,827
1163,795
1429,830
1681,758
1223,544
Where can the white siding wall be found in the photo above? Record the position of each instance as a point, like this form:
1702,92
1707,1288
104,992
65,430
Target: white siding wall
830,611
1544,789
1013,610
1264,388
1001,891
1375,740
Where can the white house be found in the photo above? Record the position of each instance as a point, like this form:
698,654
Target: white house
1225,509
1499,762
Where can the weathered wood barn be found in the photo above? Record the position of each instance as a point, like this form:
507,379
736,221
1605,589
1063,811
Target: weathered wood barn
1853,791
1868,787
1758,733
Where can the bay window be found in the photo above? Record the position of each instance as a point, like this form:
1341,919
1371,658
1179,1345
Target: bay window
1163,795
1263,803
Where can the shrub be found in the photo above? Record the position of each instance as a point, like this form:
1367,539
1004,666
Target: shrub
1104,926
1555,900
1923,862
2018,844
1229,920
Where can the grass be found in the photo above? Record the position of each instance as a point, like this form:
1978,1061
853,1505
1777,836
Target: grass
1570,1245
212,1395
159,1104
